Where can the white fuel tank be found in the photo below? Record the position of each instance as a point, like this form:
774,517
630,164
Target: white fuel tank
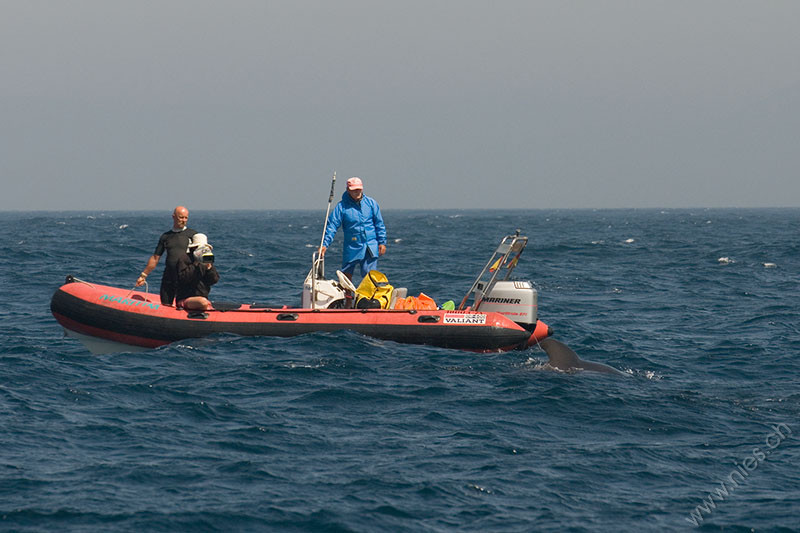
517,300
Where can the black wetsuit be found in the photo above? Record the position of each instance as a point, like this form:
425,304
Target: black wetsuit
194,279
175,244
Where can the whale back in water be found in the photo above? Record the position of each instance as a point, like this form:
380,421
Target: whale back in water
563,358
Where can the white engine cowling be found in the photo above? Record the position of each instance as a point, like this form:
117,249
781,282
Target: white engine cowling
517,300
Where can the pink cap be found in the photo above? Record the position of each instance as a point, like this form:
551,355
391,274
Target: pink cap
354,183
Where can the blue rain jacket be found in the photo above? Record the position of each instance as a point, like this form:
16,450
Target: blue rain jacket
362,224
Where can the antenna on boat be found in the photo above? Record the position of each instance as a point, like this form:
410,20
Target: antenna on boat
317,261
328,211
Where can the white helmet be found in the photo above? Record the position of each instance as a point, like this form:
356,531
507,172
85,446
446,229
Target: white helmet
199,239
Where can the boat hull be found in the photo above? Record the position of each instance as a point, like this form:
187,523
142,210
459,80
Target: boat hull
140,320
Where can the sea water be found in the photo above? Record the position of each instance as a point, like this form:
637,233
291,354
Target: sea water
341,432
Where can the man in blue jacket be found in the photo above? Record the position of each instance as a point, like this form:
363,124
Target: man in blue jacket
364,231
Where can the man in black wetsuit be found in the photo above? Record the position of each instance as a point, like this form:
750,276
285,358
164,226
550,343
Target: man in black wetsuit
175,242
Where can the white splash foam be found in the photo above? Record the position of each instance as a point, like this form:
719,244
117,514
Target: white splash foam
541,366
480,489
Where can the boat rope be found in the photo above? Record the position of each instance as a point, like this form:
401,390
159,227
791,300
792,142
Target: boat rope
71,279
146,289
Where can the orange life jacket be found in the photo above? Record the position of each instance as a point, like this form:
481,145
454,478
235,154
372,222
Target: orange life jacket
422,302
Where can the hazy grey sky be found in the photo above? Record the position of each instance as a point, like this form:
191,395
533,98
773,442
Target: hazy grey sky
253,104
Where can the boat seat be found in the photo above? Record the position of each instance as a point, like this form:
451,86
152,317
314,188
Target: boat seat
398,293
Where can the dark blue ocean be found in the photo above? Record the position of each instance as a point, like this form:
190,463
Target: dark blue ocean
338,432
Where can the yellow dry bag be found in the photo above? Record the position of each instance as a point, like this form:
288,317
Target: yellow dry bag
374,291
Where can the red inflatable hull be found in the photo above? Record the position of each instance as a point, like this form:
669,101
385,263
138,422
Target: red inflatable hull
140,320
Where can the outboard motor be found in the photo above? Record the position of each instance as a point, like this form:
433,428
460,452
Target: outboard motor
517,300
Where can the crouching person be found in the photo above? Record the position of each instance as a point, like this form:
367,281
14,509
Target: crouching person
196,275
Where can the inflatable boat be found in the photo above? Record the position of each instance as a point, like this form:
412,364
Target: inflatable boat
495,315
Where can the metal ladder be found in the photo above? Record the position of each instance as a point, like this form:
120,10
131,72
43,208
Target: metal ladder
510,245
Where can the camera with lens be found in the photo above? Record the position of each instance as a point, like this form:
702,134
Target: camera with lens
204,254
